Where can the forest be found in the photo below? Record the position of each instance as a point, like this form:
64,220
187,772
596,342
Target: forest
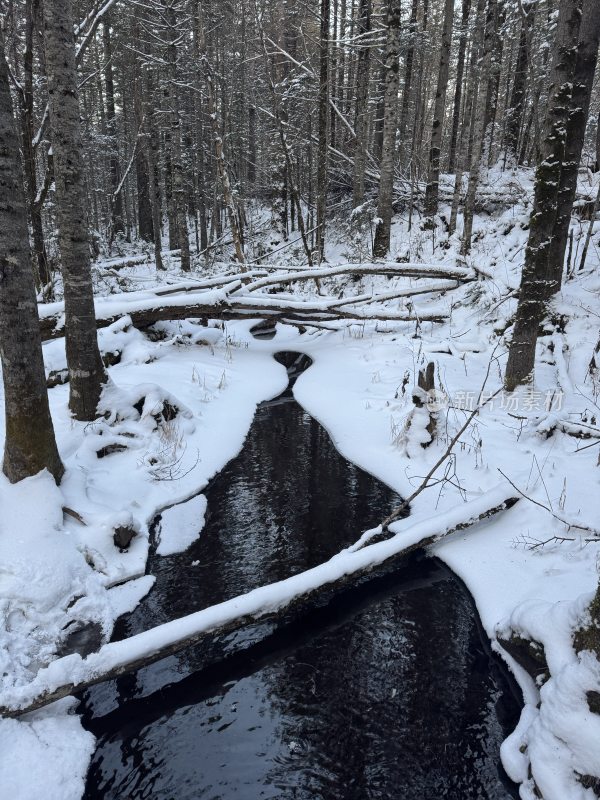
299,339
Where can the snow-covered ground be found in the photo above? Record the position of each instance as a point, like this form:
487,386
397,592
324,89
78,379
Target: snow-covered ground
178,408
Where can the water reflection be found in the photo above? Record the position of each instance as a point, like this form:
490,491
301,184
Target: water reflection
388,691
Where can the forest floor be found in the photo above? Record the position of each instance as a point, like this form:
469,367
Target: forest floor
180,403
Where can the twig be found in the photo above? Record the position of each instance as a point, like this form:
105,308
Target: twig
570,525
401,510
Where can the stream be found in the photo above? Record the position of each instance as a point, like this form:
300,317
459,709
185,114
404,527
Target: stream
387,690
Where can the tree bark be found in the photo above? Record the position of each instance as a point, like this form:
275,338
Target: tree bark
437,128
86,371
323,134
381,244
514,113
460,68
482,45
583,80
153,170
222,171
29,445
116,197
533,293
27,109
361,116
142,167
405,148
171,94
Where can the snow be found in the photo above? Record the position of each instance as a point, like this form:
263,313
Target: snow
46,756
56,571
180,525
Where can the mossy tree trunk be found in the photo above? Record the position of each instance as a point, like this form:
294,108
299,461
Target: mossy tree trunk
29,445
86,371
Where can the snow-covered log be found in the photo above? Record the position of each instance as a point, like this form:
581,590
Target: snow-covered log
230,297
393,269
73,673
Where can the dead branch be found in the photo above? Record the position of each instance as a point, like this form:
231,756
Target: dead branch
405,505
396,270
563,520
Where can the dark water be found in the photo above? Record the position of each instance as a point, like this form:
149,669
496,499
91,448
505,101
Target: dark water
388,690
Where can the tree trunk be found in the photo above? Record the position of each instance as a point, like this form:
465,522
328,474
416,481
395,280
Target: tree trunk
598,144
142,169
437,128
299,593
153,171
405,148
361,117
583,80
496,21
222,171
42,266
86,371
323,134
514,113
171,96
381,244
482,45
29,444
533,294
460,68
116,198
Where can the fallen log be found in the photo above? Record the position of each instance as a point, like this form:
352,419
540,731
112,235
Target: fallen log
226,297
72,673
145,311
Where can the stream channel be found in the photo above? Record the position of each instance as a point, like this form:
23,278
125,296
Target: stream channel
388,689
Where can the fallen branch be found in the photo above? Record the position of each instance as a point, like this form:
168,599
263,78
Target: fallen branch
396,270
569,524
73,673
